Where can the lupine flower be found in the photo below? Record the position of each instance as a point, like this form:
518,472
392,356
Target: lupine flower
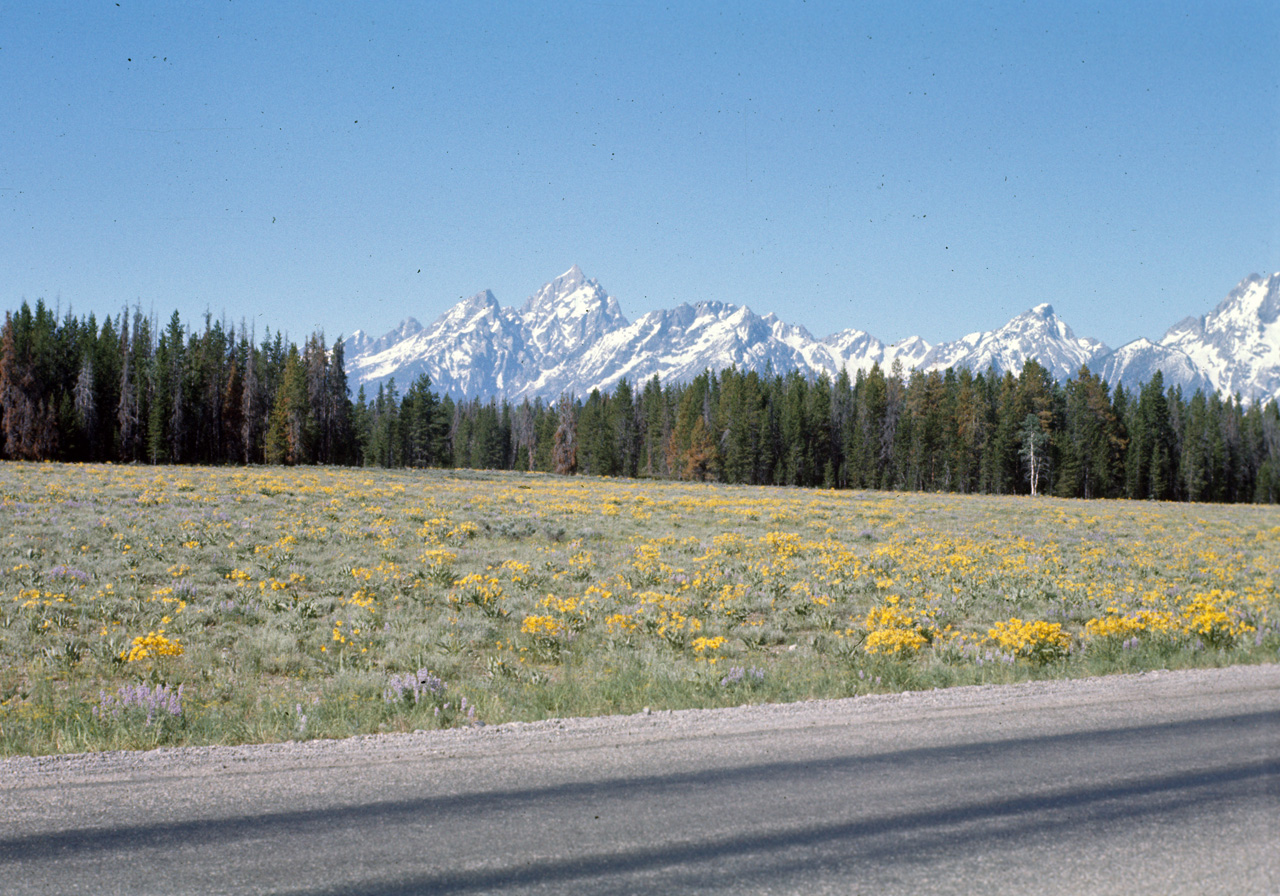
68,572
160,699
739,674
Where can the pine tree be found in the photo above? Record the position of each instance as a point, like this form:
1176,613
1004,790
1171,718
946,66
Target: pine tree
107,357
969,433
232,403
176,426
252,404
821,447
417,419
656,415
842,417
16,410
127,404
741,409
1150,466
1090,445
701,456
564,449
339,436
1267,479
597,453
626,431
160,393
290,431
796,466
891,431
863,449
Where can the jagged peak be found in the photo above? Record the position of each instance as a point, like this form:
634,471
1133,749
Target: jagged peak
1253,291
909,341
1040,313
483,299
1041,318
571,327
403,330
551,297
571,280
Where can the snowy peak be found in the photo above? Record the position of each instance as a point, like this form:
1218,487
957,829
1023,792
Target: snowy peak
1269,303
1255,300
678,344
1041,323
1035,334
911,350
361,342
571,336
568,313
483,302
1133,364
568,283
1247,313
1236,346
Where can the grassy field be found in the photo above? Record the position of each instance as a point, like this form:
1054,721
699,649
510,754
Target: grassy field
147,606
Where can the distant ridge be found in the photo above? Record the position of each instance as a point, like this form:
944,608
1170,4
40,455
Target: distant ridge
571,336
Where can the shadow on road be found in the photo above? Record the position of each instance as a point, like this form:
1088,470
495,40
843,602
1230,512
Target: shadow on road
885,835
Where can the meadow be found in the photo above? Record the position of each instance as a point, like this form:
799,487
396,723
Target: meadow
146,606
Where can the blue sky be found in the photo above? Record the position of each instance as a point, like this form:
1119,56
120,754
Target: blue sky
907,169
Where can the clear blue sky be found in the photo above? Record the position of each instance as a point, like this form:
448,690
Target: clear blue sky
929,168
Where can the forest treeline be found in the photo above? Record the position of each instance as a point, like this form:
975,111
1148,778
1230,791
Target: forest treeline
128,390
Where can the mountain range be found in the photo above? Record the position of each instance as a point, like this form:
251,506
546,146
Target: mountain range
571,336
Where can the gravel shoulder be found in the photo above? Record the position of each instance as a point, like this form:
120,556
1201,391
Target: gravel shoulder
1161,783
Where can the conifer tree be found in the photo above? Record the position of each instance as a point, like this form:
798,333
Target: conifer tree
564,450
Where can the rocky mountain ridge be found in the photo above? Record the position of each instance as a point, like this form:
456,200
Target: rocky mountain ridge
572,336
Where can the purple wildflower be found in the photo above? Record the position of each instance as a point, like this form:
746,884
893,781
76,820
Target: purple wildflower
68,572
161,700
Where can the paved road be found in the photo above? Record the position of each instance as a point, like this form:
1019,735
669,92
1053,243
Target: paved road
1161,783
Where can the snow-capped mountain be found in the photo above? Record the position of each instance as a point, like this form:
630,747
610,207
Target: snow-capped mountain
678,345
362,343
1234,349
571,336
855,351
568,314
1237,345
479,348
476,348
1038,333
1133,364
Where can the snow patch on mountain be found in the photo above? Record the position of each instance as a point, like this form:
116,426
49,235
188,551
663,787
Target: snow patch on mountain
1234,349
571,336
1133,364
1037,334
1237,345
568,314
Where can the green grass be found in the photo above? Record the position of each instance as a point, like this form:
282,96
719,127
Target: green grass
295,595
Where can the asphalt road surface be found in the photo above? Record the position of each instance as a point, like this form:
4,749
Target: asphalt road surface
1158,783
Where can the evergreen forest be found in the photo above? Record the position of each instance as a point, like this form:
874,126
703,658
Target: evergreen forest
129,390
